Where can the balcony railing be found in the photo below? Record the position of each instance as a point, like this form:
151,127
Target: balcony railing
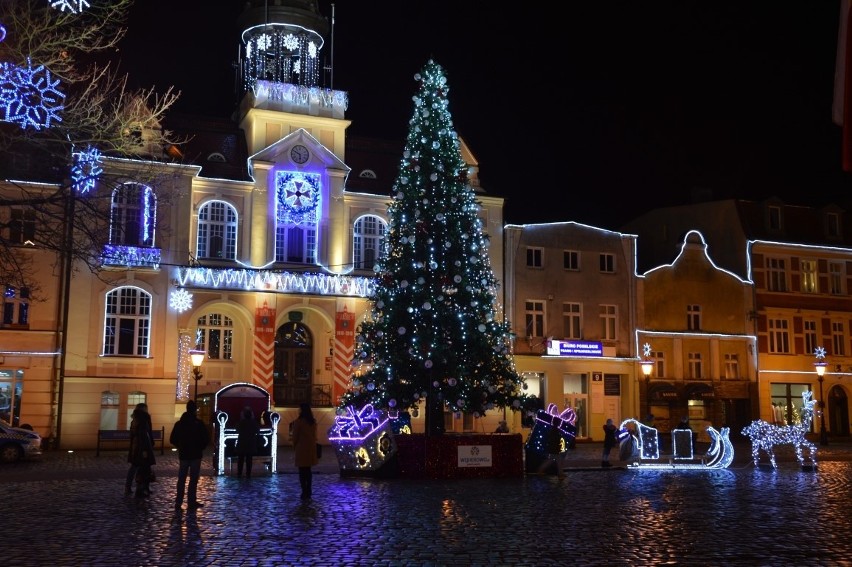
135,256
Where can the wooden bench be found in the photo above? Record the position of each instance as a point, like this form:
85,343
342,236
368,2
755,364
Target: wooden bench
123,435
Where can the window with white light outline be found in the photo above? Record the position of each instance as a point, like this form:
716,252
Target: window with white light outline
215,336
127,322
132,216
217,231
367,241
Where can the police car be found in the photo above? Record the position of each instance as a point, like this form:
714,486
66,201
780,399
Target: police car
17,443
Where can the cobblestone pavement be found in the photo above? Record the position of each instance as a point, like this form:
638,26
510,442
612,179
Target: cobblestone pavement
68,509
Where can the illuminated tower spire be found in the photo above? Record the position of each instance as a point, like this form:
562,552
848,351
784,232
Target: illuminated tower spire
281,42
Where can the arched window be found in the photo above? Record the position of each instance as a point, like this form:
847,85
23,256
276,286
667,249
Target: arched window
132,217
367,241
127,325
109,410
215,335
217,231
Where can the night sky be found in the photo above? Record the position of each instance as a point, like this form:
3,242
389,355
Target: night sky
593,112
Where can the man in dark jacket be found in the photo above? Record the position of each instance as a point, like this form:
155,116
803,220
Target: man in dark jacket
190,436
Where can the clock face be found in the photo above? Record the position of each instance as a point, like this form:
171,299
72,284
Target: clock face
299,153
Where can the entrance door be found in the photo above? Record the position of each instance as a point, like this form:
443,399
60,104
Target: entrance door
292,376
580,404
838,412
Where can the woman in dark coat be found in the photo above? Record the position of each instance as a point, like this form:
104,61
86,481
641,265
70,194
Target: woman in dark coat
305,447
141,453
247,430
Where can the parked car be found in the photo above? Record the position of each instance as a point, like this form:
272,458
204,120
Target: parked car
17,443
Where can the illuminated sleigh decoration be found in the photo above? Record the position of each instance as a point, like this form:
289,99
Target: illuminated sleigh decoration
765,436
642,448
362,439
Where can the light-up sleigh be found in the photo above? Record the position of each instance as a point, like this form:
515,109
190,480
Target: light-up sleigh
640,447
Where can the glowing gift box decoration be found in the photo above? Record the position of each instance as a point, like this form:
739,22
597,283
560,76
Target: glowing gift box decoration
547,419
362,439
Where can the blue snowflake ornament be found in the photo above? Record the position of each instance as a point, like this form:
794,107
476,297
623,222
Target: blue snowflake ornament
73,6
28,96
86,169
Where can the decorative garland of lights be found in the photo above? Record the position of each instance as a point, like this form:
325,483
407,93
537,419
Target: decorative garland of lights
86,169
73,6
283,282
28,96
180,300
299,95
281,53
185,344
114,255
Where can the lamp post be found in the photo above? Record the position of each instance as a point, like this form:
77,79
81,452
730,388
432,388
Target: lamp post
647,367
197,357
820,365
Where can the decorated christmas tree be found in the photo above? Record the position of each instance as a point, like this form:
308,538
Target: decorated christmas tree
434,334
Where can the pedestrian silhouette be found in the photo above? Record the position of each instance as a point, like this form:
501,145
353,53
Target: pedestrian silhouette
247,432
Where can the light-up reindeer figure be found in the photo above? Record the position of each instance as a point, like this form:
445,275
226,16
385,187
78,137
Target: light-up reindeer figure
765,435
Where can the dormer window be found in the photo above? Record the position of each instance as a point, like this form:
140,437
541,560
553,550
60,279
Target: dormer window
774,218
832,225
216,157
367,174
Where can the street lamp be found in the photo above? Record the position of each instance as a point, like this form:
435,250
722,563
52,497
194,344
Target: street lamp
197,357
820,365
647,367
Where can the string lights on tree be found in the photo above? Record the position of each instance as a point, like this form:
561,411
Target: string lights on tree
433,332
73,6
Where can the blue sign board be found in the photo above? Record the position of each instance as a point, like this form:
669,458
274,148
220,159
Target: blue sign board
574,348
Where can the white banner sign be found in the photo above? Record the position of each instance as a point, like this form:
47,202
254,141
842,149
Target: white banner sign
474,456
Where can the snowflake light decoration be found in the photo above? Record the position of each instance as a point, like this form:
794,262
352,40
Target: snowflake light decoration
86,169
819,353
646,350
73,6
28,96
180,300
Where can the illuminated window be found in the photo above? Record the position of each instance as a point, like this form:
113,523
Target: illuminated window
535,257
16,305
659,364
368,237
217,231
779,336
134,207
571,260
572,320
133,399
298,200
109,410
809,276
127,325
215,335
534,318
609,322
607,262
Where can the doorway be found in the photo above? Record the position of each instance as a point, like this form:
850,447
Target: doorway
293,371
838,412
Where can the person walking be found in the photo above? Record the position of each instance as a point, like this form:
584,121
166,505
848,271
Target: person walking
304,431
610,441
247,431
190,436
141,452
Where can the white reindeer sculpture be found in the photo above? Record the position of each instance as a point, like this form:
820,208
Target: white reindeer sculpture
765,435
